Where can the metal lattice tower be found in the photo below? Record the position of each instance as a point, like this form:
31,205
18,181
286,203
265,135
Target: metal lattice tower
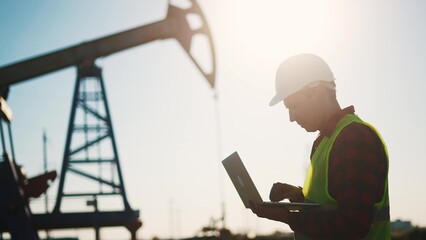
90,143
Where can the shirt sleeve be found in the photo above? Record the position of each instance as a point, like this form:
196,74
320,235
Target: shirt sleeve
357,176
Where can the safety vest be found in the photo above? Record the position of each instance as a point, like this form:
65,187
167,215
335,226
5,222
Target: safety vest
315,188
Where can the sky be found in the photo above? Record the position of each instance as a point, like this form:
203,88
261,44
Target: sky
171,131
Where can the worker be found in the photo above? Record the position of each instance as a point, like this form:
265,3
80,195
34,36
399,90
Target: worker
348,172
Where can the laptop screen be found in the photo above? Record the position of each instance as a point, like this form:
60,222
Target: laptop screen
241,179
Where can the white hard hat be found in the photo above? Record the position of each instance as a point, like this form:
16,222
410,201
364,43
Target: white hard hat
299,71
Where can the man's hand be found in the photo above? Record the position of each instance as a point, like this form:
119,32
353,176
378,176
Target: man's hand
275,213
281,191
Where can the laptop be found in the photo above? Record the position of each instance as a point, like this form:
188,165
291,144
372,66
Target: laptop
248,191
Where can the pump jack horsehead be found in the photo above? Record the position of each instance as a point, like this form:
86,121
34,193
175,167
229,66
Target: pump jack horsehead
16,189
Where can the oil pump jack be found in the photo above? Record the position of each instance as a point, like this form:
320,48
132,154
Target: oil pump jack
94,127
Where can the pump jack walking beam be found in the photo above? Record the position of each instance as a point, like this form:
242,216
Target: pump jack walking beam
174,26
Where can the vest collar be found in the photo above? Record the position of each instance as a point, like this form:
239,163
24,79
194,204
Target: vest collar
329,127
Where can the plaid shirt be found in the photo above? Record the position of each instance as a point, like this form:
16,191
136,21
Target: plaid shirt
357,174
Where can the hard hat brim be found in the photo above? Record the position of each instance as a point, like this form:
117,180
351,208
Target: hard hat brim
276,99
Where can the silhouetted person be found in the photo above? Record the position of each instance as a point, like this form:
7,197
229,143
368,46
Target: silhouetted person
348,172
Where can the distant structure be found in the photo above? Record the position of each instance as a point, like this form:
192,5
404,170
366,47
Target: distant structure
399,225
404,230
89,130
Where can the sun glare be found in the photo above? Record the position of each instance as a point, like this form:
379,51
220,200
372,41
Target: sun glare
264,32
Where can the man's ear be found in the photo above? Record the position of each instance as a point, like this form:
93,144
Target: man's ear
313,93
320,94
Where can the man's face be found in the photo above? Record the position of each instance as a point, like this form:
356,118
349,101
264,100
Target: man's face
305,108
